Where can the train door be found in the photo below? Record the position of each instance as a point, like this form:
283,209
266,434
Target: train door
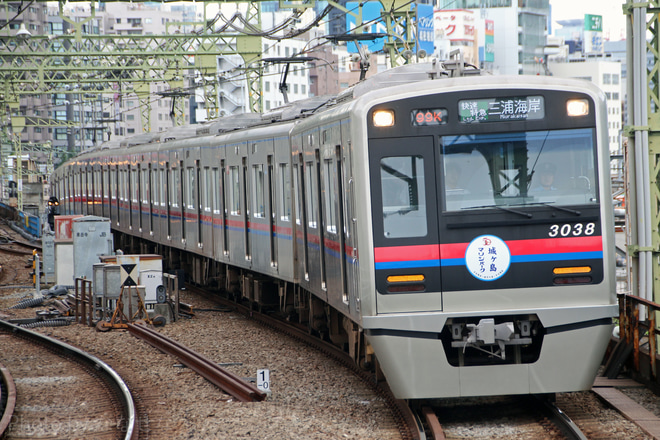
131,199
166,178
81,190
103,192
222,180
246,204
301,216
405,224
283,210
272,214
237,205
200,204
152,198
114,194
98,191
312,215
261,219
184,197
139,195
89,196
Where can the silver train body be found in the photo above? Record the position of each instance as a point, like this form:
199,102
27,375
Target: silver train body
401,219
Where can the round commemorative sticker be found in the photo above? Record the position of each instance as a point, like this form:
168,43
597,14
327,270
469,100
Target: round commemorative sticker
487,257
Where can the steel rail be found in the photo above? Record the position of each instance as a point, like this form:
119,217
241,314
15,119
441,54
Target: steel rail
568,427
401,411
435,428
111,377
9,401
211,371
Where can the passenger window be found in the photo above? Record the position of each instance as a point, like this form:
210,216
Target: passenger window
284,205
235,191
310,192
404,196
330,196
258,204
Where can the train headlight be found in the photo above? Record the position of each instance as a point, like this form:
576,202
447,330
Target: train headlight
577,107
383,118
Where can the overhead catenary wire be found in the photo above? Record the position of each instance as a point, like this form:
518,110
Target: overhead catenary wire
249,29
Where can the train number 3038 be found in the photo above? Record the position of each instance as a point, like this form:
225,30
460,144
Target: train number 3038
572,230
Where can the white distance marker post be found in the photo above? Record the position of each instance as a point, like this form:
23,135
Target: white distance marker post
263,380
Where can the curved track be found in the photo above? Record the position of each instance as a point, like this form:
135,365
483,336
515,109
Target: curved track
44,365
403,415
230,383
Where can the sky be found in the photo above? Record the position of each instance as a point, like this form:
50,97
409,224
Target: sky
614,22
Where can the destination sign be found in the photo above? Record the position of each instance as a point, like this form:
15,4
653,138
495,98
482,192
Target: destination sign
425,117
501,109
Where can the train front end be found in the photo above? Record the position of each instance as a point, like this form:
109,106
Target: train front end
491,255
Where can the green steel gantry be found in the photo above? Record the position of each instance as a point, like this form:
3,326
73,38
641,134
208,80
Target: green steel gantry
77,62
643,150
43,64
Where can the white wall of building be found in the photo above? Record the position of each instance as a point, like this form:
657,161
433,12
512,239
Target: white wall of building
607,76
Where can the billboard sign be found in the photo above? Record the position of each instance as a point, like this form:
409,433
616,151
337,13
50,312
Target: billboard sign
425,32
489,41
593,34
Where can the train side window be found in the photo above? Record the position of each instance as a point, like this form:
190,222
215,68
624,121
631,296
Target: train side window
154,187
284,201
404,196
235,191
162,187
105,184
258,201
174,188
214,186
297,184
134,176
116,184
123,186
330,196
144,184
206,189
310,187
190,188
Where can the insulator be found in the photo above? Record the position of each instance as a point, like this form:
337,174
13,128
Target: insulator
46,323
28,303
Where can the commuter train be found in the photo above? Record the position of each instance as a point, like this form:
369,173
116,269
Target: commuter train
454,232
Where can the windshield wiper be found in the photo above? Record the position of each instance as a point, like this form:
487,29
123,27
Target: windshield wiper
502,208
402,211
550,204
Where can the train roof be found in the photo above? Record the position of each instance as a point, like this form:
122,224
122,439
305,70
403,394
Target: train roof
300,109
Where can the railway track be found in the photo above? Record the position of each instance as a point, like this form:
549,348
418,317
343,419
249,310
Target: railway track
54,389
405,418
515,417
225,380
519,417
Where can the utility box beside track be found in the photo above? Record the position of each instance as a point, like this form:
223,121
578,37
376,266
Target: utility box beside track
92,238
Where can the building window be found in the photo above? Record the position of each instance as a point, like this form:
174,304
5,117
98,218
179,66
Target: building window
607,78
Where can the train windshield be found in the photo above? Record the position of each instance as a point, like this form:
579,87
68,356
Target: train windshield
554,167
